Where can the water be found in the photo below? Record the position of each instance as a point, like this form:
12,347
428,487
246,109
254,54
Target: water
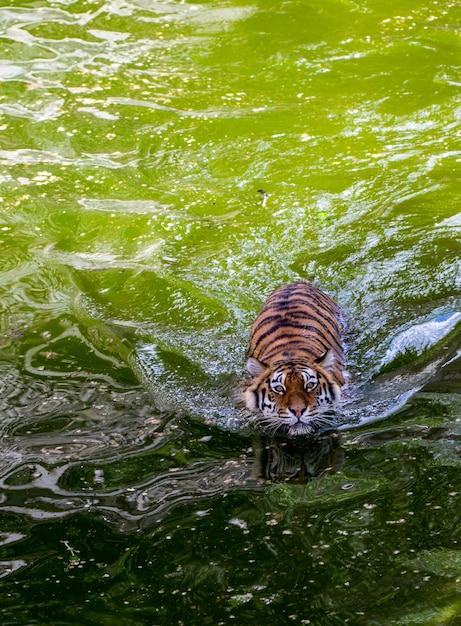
135,253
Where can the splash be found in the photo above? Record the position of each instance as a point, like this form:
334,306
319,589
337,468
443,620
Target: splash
421,337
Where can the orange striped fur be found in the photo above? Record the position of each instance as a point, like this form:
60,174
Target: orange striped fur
296,360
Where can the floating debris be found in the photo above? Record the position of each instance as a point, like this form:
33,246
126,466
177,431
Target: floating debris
264,197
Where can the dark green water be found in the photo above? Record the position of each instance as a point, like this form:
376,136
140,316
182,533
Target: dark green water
135,253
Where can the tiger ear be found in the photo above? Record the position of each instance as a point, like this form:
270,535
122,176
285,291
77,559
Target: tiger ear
255,367
326,360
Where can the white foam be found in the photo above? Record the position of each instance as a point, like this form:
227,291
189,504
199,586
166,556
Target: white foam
421,336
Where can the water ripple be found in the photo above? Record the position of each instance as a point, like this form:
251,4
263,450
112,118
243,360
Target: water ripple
37,157
36,491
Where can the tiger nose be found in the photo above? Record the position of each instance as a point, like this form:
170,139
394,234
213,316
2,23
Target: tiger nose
298,409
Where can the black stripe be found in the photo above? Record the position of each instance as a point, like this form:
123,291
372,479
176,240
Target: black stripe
326,306
304,325
312,314
286,348
316,344
263,320
311,329
292,301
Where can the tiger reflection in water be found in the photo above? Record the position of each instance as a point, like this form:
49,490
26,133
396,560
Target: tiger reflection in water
298,460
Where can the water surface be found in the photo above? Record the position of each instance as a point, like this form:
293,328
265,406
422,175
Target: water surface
135,254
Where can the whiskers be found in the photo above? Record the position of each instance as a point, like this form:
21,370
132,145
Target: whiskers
269,425
326,421
275,425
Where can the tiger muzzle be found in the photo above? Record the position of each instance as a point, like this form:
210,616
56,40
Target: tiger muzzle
297,406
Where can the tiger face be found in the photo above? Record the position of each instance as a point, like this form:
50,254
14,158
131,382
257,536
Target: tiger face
291,397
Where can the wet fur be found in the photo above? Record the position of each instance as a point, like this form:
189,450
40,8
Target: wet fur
296,361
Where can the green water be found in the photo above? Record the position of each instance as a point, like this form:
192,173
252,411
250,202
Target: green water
135,253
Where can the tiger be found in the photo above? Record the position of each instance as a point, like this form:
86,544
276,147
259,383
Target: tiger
296,360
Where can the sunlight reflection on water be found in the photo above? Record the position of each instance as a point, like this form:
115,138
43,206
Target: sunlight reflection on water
136,253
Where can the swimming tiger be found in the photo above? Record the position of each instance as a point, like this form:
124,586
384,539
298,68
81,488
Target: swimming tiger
296,360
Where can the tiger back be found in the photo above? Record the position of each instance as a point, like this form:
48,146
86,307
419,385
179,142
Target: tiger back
296,361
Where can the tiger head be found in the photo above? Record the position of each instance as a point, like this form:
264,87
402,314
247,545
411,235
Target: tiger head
291,396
